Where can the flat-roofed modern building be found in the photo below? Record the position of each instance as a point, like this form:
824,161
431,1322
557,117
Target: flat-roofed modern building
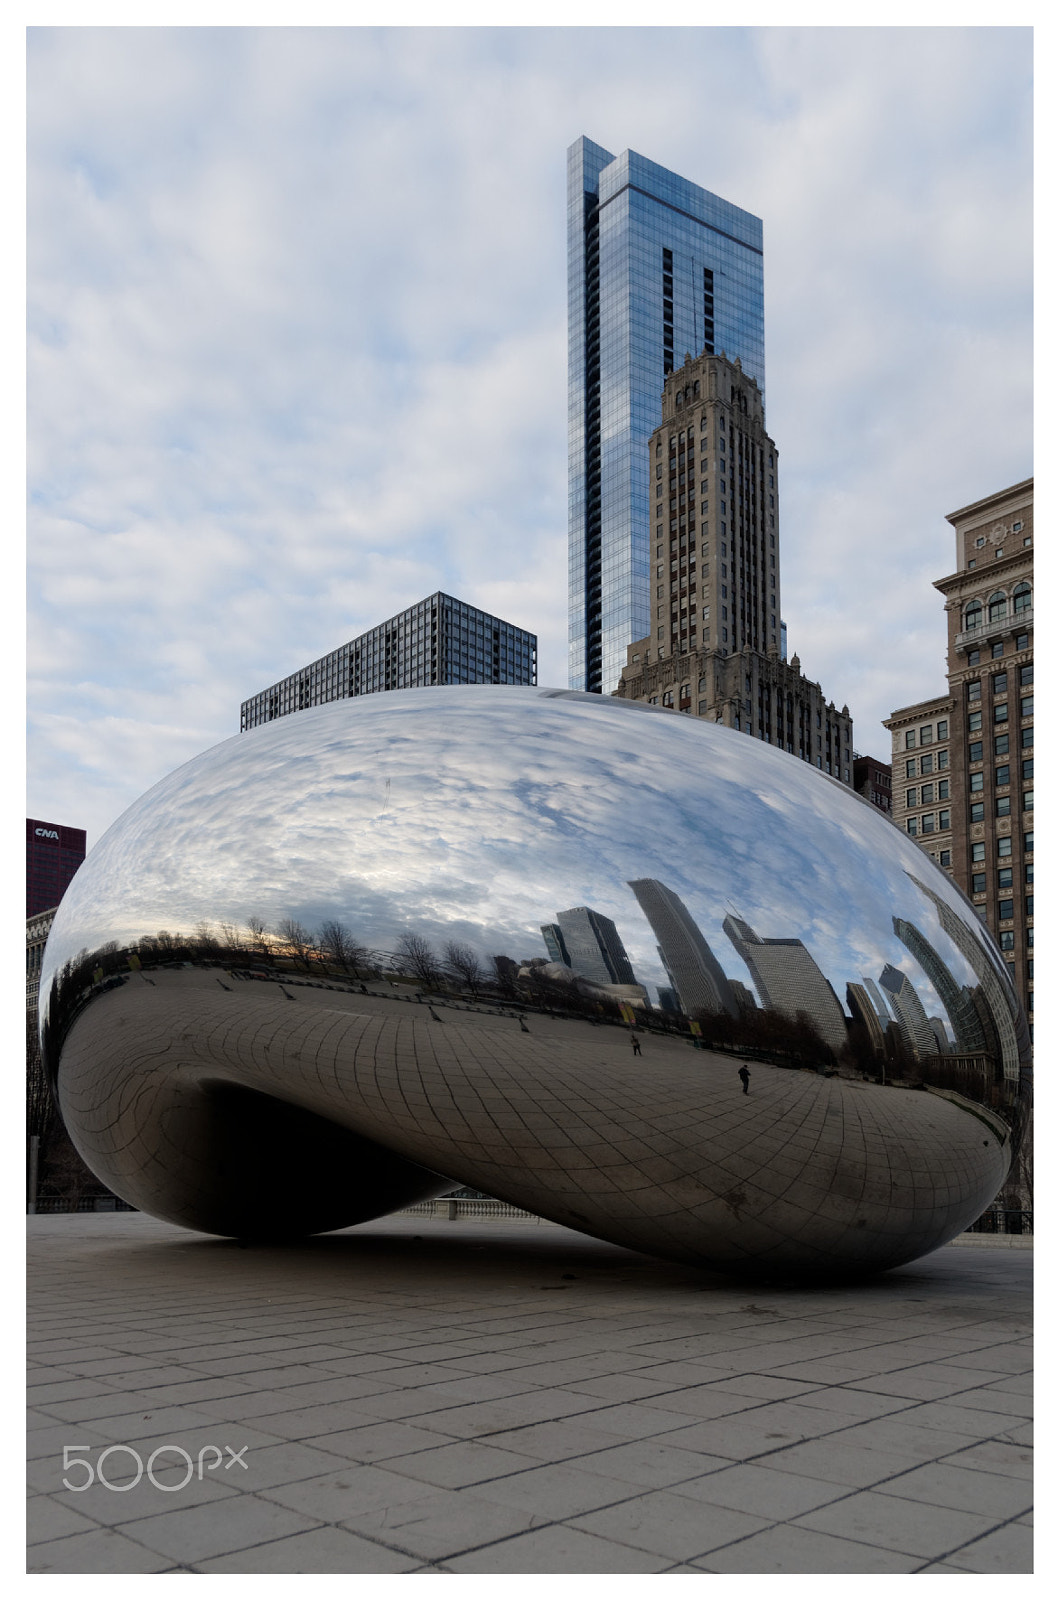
656,267
53,855
440,640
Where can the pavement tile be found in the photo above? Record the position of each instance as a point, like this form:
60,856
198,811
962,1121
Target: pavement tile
456,1466
905,1435
216,1527
102,1550
670,1524
941,1484
49,1518
995,1456
346,1490
898,1523
833,1461
320,1550
557,1549
1006,1550
444,1524
791,1550
758,1489
555,1441
556,1491
649,1464
856,1404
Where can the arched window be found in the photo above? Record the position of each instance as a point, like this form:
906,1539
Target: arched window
973,617
1021,598
998,604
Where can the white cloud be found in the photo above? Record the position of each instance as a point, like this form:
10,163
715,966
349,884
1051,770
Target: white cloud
298,329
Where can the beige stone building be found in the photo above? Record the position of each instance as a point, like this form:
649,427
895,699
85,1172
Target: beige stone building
715,646
988,715
922,775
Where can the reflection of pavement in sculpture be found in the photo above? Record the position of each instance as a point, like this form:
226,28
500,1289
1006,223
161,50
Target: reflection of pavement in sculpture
431,833
663,1154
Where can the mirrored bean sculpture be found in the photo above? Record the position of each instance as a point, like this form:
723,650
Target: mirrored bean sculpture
639,974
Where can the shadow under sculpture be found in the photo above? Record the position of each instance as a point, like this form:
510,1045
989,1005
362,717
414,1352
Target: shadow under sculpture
315,975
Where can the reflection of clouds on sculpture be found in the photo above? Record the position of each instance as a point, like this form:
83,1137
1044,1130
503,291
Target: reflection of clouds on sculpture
478,813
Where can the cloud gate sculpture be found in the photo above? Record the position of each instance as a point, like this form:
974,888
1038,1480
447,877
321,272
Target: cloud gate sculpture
525,940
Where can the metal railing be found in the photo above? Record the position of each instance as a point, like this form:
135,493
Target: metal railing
999,1220
53,1204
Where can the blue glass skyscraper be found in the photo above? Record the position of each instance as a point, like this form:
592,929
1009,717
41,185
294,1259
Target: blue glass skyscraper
656,267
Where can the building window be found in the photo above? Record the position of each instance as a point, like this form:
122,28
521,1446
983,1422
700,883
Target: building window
1027,770
974,689
926,764
944,789
910,769
1028,844
1004,878
1001,711
999,683
1001,776
910,822
973,616
1026,738
927,822
973,658
979,851
975,750
1023,641
1001,743
1007,940
997,606
910,798
943,760
997,651
975,721
942,730
944,858
1004,910
1028,799
978,882
910,739
925,733
1021,598
1004,846
977,812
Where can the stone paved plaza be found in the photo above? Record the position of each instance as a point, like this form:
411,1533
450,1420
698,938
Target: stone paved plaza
399,1398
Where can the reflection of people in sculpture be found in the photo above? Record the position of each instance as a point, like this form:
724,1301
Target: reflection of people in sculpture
744,1076
635,1043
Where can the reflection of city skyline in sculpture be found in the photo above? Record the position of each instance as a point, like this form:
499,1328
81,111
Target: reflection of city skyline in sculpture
960,1009
789,980
693,968
909,1013
1004,1008
863,1011
589,943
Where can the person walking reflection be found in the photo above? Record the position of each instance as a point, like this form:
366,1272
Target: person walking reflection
745,1077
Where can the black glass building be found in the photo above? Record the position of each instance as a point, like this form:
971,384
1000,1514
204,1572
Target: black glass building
440,640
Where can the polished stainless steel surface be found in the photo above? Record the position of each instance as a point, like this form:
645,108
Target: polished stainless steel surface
360,955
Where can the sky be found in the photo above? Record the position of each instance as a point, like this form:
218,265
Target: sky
297,348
